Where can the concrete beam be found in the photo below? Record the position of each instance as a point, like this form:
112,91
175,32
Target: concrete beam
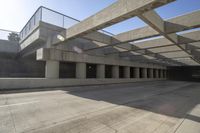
153,20
177,24
119,11
60,55
151,54
156,22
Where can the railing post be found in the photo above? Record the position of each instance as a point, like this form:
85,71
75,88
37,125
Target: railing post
63,21
41,14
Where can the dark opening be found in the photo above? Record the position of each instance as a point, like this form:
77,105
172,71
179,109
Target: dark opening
67,70
154,73
121,72
164,74
131,72
141,73
148,72
159,73
108,71
184,73
91,70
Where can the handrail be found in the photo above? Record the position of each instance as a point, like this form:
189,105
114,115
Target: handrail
31,18
60,13
72,18
40,10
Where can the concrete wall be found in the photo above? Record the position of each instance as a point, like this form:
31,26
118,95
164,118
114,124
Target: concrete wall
21,68
61,55
26,83
43,35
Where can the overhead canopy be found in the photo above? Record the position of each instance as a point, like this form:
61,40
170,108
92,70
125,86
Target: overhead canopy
160,41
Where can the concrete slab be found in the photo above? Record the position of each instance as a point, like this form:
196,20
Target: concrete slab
156,107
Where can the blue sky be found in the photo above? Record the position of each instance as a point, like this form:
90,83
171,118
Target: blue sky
15,13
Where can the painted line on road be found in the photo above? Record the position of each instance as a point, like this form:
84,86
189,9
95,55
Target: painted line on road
18,104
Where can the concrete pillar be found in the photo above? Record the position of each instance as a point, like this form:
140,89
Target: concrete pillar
52,69
101,71
144,72
80,70
136,72
151,73
157,73
127,72
115,72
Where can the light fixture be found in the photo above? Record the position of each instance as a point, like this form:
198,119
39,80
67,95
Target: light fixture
60,37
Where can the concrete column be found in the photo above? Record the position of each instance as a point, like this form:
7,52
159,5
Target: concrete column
52,69
80,70
157,73
151,72
101,71
115,72
127,72
136,72
144,72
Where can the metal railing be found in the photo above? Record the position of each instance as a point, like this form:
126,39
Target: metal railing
52,17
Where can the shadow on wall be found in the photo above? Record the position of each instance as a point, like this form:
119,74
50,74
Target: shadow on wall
184,73
21,68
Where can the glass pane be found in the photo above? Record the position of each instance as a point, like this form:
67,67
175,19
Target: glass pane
38,16
32,23
68,22
52,17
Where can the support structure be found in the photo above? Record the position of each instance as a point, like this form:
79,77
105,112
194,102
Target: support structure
144,73
101,71
115,72
136,72
52,69
157,73
127,72
150,73
124,9
80,70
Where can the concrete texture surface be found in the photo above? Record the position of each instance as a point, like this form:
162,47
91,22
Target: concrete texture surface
148,107
44,54
124,9
27,83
